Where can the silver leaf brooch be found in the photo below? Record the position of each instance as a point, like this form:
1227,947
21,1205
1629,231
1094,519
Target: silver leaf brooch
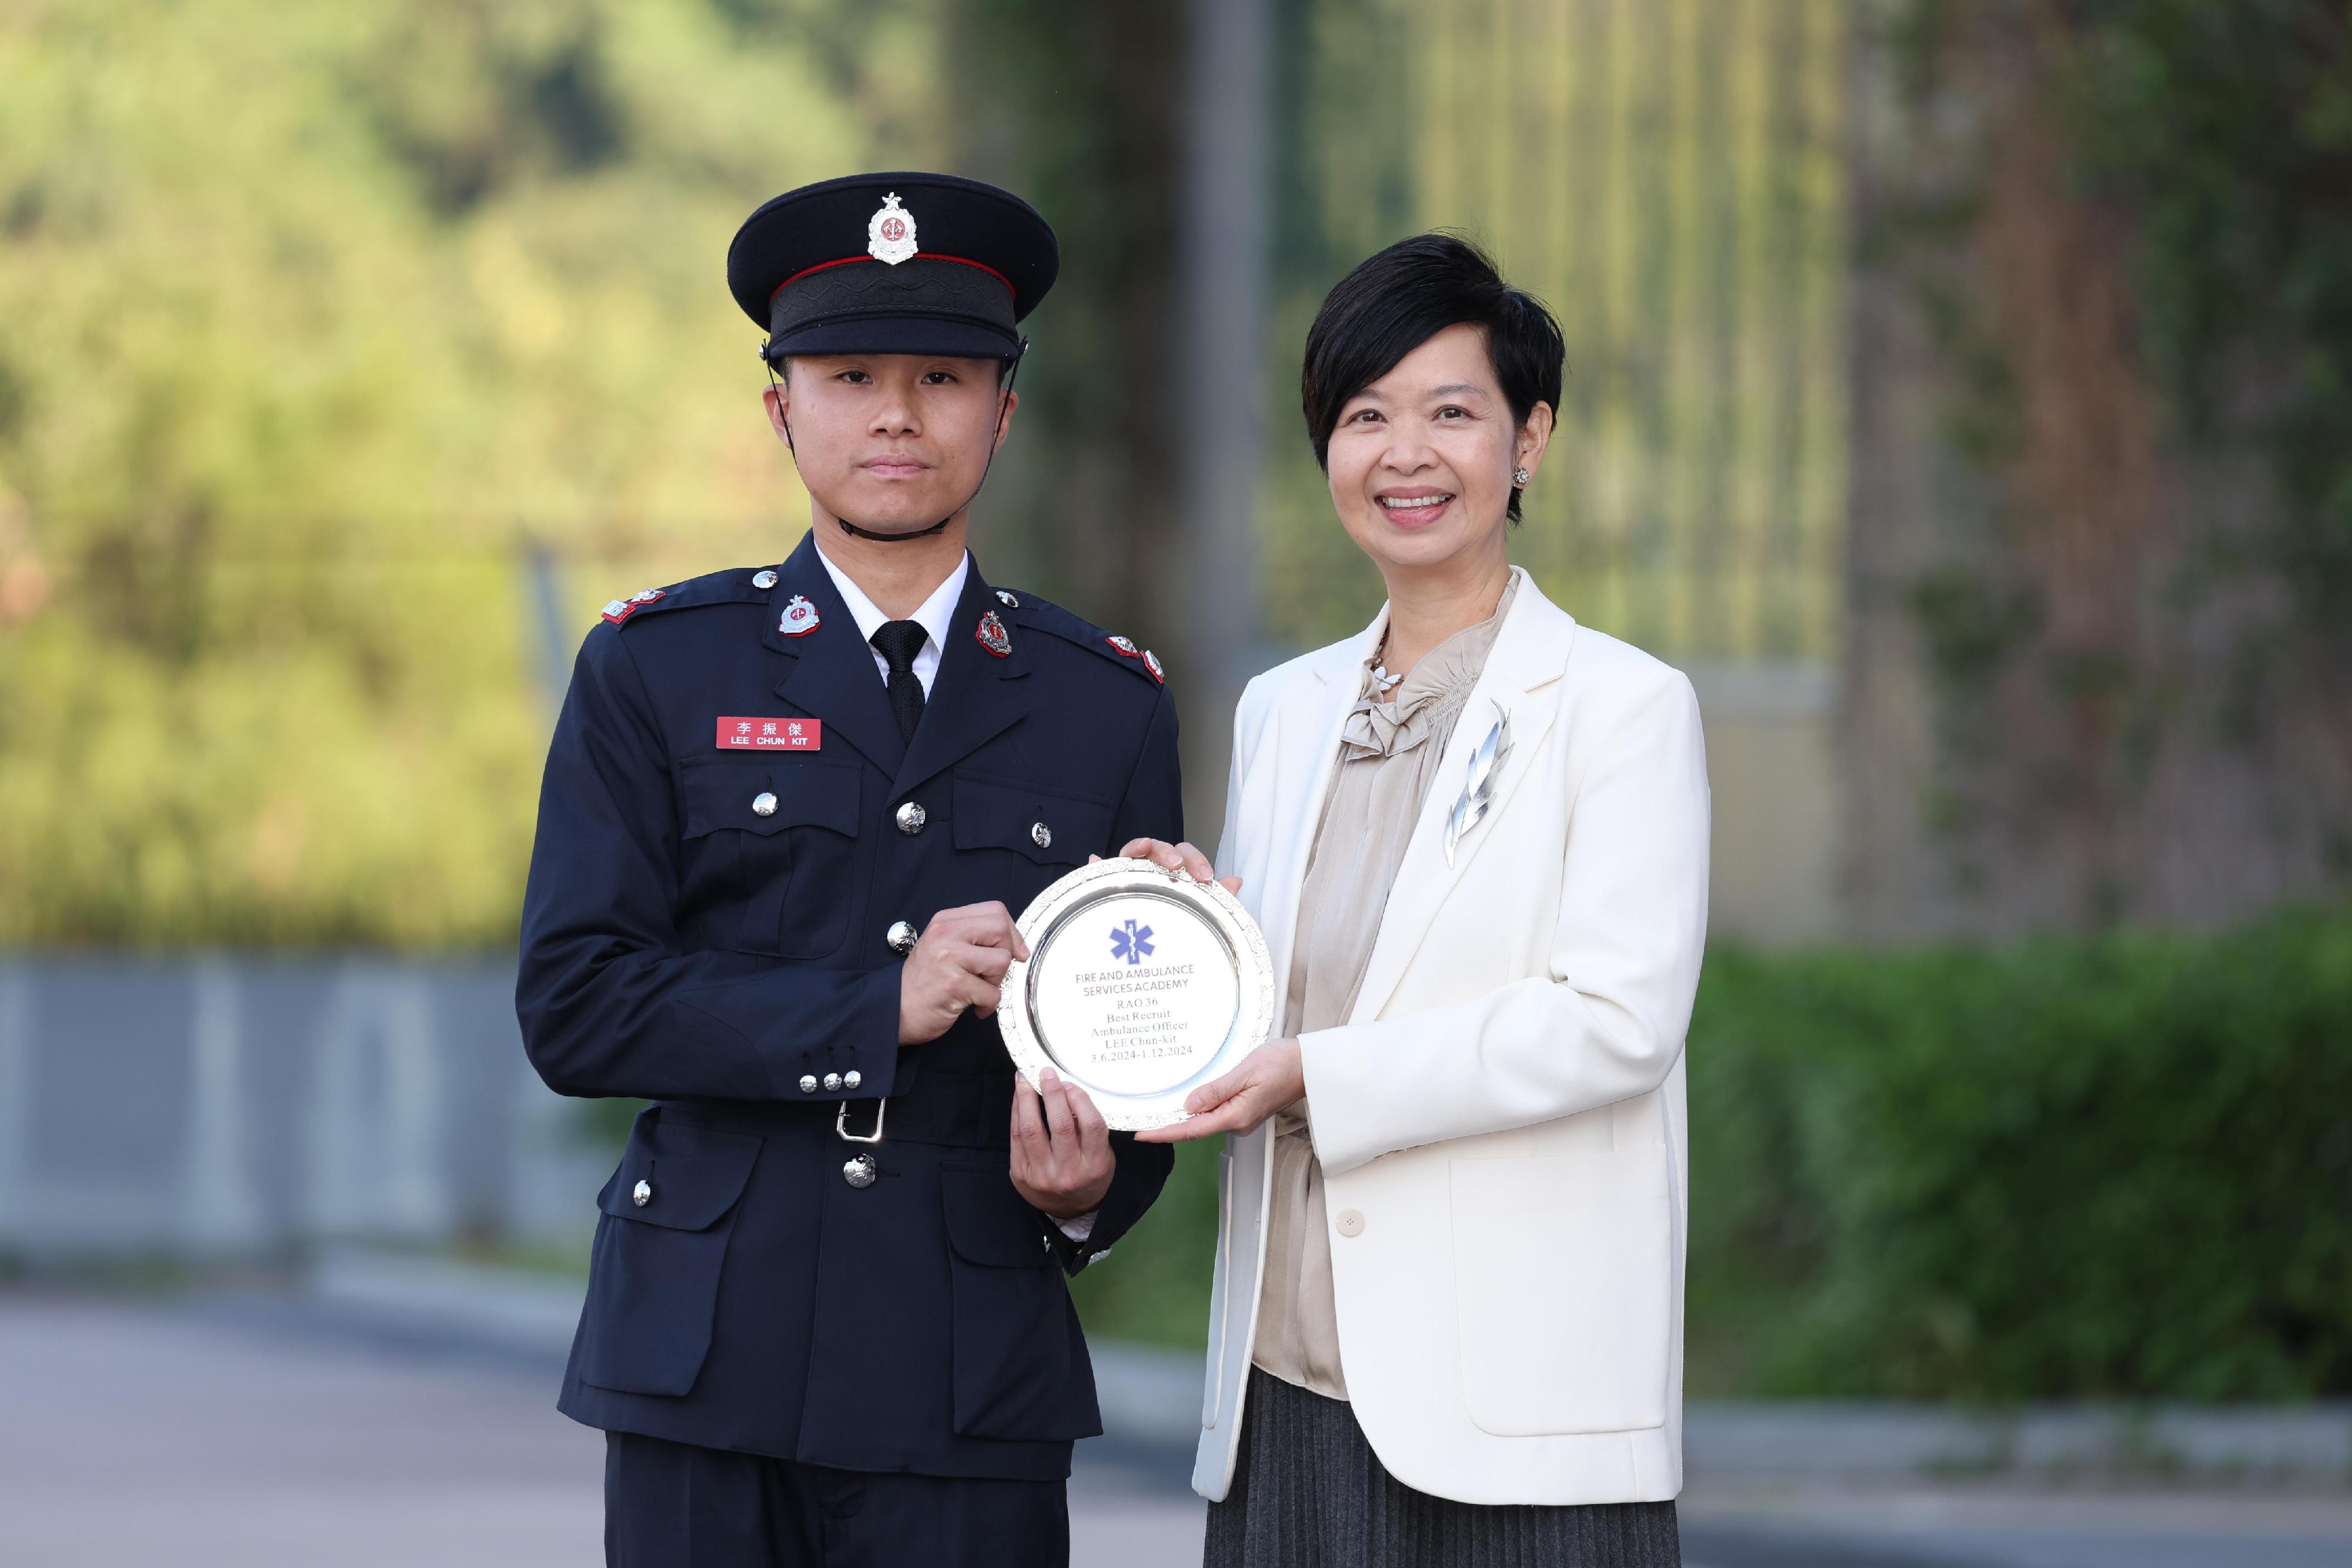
1478,791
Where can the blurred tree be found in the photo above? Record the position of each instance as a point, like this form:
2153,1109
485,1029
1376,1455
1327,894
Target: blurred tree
310,317
2100,554
1077,108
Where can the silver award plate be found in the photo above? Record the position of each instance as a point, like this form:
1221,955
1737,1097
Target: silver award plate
1141,986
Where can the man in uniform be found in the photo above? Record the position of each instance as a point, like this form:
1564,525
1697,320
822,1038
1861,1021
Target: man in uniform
788,813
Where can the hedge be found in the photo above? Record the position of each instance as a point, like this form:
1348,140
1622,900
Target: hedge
2117,1166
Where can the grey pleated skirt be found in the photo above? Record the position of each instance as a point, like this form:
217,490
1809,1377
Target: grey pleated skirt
1309,1492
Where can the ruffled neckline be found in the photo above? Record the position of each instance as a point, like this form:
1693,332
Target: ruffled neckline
1427,701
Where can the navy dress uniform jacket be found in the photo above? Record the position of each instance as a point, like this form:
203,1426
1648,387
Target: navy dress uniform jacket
705,928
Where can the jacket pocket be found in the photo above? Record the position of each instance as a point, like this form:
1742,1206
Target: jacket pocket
653,1285
769,881
1563,1280
1021,1368
1006,814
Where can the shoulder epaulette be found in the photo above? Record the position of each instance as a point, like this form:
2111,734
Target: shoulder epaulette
740,585
1033,611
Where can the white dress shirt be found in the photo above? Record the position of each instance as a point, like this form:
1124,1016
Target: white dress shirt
931,616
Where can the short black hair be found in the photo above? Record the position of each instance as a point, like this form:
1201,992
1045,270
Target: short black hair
1394,302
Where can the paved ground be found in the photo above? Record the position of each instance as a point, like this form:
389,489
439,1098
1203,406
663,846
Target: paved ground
243,1434
249,1434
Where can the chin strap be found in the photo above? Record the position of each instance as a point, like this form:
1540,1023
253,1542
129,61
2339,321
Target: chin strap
852,530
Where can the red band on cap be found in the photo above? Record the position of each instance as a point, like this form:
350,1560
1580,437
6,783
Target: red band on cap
919,256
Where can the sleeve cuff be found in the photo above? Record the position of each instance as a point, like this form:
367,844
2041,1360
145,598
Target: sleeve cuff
876,1052
1077,1229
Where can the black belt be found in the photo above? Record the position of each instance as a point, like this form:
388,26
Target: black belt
956,1110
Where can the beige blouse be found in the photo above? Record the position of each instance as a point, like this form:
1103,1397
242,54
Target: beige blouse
1389,755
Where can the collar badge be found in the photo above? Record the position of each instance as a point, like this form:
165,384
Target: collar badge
799,618
993,637
619,610
890,233
1125,645
1151,662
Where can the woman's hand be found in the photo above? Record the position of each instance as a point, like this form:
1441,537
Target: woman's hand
1061,1161
1268,1079
1175,857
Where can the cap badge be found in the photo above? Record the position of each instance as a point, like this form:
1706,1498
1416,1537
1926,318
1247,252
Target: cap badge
1151,662
891,232
993,637
799,618
1125,645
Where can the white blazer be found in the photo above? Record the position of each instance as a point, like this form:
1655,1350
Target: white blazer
1501,1119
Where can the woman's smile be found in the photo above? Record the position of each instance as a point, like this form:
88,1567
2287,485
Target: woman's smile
1413,505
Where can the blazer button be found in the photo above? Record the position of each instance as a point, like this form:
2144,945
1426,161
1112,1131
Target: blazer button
858,1172
643,1194
910,817
763,804
1041,835
852,1079
1350,1222
901,936
764,579
808,1083
832,1082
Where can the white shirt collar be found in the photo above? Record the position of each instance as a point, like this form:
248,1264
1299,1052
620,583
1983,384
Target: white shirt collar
932,615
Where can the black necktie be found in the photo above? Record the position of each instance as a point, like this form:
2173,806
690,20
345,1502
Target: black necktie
898,642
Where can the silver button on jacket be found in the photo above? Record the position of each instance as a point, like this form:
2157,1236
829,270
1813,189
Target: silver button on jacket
911,818
763,804
808,1083
852,1079
643,1194
901,937
764,579
1042,835
832,1081
858,1172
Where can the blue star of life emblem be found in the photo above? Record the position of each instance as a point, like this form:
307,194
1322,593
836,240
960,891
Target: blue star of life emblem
1130,943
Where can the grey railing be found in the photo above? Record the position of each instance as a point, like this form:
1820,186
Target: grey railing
243,1108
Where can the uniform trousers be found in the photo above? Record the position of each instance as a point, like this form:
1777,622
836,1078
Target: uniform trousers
1309,1492
674,1505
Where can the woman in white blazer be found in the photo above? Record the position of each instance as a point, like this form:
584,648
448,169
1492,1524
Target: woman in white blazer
1447,1319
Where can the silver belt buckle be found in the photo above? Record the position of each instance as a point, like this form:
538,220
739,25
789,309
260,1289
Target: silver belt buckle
841,1122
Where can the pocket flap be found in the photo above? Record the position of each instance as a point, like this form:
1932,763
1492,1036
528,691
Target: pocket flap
807,794
1003,814
693,1174
988,1222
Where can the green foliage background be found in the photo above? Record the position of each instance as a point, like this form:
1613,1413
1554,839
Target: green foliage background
312,318
2111,1167
2228,130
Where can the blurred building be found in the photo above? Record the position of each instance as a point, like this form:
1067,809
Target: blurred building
1667,175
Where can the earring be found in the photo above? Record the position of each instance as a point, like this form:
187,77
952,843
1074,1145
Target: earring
1519,477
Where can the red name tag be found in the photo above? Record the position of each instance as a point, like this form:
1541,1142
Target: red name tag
770,733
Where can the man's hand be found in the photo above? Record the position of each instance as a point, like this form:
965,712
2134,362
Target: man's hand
1061,1149
1175,857
958,962
1268,1079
